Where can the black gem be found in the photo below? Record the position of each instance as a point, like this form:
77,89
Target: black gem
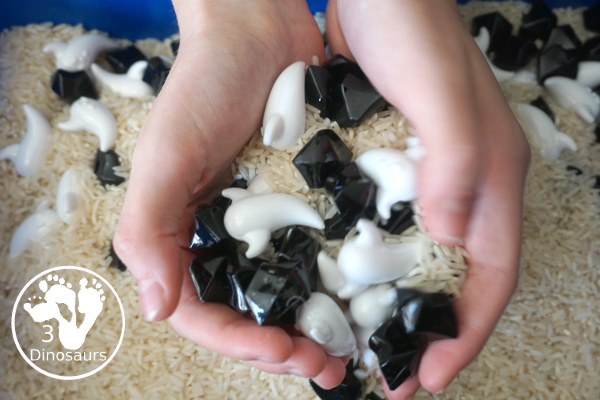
240,272
349,389
316,89
400,219
209,229
591,49
224,202
355,100
209,275
175,47
103,167
323,156
597,183
156,73
574,169
428,314
357,200
339,67
597,133
556,61
398,353
337,227
298,245
70,86
565,37
591,17
496,24
115,260
515,53
538,22
276,291
123,58
542,105
349,174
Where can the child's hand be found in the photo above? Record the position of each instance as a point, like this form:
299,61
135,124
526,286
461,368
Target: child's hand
422,59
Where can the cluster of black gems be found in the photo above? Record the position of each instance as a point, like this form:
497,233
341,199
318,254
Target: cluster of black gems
560,53
270,291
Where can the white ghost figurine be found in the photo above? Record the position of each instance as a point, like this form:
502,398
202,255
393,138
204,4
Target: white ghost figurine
570,94
68,197
395,174
331,277
33,228
130,84
94,117
367,259
542,132
80,52
373,307
588,73
322,320
284,118
28,156
253,217
483,42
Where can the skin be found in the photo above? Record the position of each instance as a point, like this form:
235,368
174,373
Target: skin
471,181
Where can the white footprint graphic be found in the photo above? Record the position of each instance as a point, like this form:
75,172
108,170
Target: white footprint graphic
90,303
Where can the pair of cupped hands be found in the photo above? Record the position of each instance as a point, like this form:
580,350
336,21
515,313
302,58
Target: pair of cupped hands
422,59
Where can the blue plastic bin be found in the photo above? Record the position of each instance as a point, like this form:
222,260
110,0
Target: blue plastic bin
133,19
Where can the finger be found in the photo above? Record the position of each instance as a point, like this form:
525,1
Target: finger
405,391
335,38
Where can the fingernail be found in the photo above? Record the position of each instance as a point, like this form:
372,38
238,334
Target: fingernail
296,372
152,298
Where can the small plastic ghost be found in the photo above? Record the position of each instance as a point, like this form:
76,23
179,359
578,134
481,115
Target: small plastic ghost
28,156
80,52
33,228
322,320
588,73
284,118
483,42
542,132
68,197
395,174
331,277
94,117
367,259
373,307
130,84
571,94
253,217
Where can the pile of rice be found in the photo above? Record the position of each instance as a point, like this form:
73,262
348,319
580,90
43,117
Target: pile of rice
546,346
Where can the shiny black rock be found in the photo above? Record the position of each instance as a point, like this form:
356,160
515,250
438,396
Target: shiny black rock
209,230
514,53
556,61
224,202
209,274
398,353
70,86
124,57
240,271
339,67
298,245
542,105
496,24
564,36
350,174
591,49
104,168
355,100
538,22
156,73
430,315
115,261
357,200
575,170
276,291
337,227
324,155
349,389
175,47
591,17
317,88
400,219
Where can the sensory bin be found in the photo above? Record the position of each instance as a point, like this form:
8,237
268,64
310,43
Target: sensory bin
546,344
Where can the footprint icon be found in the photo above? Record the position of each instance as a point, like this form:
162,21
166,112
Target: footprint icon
90,303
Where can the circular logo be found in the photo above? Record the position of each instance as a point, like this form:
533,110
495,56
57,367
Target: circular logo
68,322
